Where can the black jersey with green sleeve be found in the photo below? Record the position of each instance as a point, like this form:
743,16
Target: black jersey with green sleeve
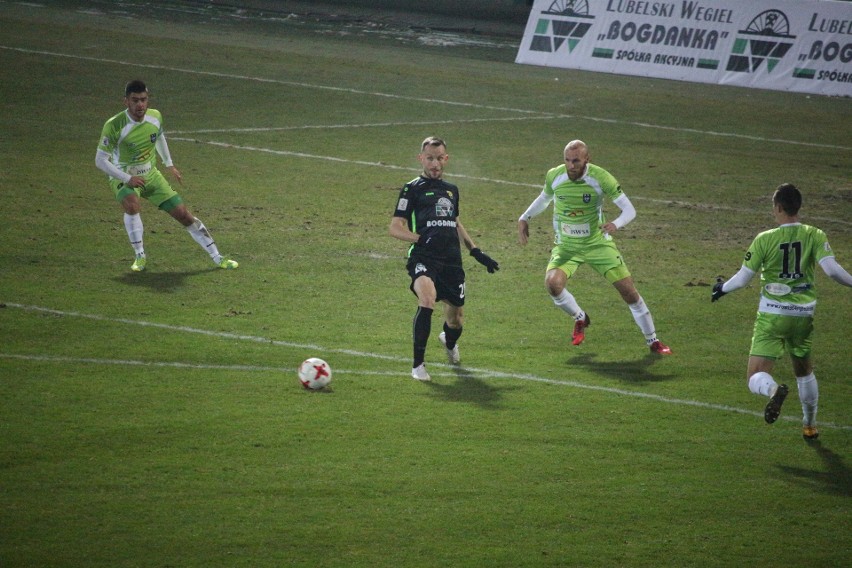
431,207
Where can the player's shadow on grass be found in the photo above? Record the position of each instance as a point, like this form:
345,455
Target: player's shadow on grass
467,387
634,372
836,479
165,282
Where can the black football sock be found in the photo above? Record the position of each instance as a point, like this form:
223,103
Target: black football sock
422,329
452,335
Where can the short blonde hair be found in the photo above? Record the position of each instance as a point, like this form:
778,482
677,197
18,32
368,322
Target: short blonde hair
577,144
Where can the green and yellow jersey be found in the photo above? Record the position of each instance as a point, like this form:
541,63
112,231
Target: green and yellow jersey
132,145
786,258
578,205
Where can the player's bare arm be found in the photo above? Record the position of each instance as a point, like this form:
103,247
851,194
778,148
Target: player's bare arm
523,231
176,173
464,237
399,230
136,181
482,258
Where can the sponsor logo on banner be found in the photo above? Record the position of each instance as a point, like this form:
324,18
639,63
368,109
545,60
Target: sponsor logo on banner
766,39
787,45
571,25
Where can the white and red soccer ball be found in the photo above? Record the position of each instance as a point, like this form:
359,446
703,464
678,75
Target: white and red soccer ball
314,373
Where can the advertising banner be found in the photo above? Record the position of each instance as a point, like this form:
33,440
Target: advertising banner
786,45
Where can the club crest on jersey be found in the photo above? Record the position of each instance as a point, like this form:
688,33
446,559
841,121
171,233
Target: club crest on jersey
154,138
587,197
444,208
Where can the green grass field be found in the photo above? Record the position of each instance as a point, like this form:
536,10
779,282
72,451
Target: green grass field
155,419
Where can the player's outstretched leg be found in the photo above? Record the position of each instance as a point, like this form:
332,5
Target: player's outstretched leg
580,326
202,236
773,407
809,397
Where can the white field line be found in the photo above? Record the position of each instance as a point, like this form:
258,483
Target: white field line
414,171
316,86
529,115
472,371
348,126
195,366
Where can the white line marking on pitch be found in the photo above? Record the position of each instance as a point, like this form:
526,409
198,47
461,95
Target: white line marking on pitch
485,373
348,126
541,115
196,366
418,99
293,154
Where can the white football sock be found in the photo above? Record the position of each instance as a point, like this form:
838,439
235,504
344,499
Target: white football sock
568,304
202,236
642,317
809,395
133,225
762,383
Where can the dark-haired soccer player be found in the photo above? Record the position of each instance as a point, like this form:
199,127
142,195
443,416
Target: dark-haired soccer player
127,153
427,216
785,257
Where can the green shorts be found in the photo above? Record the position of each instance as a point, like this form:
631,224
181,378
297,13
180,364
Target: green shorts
603,256
157,190
774,334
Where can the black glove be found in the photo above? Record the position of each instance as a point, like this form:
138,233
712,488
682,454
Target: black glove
717,290
485,260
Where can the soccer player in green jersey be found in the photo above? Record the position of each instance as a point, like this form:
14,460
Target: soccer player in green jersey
578,190
427,218
127,153
785,257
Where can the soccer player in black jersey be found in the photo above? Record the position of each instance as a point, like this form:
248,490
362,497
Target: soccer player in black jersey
427,216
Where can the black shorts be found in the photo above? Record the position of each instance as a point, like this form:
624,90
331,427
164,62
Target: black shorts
448,278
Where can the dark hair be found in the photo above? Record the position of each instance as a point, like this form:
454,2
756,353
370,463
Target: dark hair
432,141
789,198
135,86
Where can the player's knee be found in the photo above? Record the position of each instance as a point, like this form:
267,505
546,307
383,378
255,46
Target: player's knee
801,366
628,291
426,296
131,205
454,319
554,283
183,216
